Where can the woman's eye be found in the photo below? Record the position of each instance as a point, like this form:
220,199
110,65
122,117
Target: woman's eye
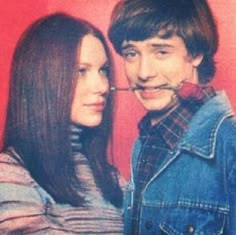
105,71
82,71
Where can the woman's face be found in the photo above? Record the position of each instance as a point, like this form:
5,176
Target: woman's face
92,84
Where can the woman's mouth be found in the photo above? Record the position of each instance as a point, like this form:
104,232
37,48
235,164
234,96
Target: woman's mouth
97,107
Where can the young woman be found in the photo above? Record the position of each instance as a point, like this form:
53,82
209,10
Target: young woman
54,174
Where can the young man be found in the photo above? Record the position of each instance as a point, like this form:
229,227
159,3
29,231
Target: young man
183,178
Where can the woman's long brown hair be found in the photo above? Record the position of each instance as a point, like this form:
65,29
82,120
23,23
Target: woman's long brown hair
38,119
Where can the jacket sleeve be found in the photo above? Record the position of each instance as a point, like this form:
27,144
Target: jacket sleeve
232,199
230,166
22,208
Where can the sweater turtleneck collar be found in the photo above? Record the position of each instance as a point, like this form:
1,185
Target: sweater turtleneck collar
75,137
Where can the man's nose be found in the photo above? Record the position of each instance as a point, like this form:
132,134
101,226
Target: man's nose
146,70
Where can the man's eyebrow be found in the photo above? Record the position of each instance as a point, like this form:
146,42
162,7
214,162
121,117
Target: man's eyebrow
127,46
154,45
160,45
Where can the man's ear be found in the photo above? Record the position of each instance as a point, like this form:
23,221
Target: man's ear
196,60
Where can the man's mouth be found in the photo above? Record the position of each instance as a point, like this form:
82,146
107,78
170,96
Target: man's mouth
153,88
144,88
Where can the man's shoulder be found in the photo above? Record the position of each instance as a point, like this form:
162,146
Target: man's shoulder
227,129
212,115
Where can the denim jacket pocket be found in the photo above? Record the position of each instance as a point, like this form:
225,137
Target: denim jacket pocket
193,221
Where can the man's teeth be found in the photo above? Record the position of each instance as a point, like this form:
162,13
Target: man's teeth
146,88
160,87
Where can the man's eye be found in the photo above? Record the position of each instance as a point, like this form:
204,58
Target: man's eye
129,54
162,53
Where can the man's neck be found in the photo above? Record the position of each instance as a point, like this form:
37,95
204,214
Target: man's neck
157,116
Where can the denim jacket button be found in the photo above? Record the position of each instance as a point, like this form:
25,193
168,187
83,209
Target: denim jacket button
148,224
144,161
190,229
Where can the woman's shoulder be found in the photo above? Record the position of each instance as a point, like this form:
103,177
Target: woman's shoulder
15,177
21,198
12,168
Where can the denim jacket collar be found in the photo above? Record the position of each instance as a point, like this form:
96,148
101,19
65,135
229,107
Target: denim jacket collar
200,138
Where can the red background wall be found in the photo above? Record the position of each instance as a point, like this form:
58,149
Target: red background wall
15,16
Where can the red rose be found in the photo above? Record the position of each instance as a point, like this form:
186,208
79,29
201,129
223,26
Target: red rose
190,91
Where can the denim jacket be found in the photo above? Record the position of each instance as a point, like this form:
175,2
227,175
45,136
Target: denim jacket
193,191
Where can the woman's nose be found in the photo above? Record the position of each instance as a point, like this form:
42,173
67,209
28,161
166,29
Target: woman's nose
101,85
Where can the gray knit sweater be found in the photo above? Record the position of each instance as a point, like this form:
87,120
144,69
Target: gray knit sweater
25,208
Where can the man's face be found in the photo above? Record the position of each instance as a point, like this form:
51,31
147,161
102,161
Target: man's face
154,62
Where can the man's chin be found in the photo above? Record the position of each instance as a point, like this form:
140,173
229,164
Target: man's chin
156,106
